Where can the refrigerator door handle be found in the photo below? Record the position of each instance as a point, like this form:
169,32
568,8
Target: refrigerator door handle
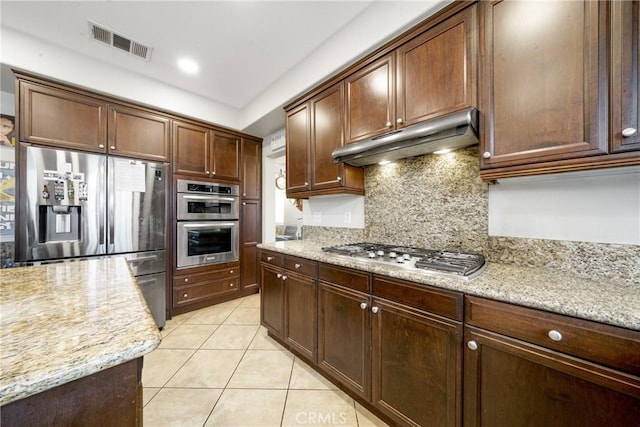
110,204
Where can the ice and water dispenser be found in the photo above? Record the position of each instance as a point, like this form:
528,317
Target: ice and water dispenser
59,219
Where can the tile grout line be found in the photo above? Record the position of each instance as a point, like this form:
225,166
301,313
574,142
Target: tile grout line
286,396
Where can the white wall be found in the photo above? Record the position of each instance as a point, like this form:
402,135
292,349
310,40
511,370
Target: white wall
7,103
596,206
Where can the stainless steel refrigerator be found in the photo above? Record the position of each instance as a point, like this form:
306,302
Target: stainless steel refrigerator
78,205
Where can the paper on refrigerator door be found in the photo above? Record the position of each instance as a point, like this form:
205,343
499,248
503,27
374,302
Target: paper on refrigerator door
130,176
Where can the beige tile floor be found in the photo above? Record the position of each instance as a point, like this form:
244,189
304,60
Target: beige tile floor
217,367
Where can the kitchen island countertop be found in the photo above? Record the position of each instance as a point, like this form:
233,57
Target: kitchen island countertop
612,302
61,322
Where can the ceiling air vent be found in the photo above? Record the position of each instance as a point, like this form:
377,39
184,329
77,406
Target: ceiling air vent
119,41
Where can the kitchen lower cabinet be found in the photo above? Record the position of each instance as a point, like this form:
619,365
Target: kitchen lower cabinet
416,365
512,378
344,337
300,307
200,289
272,300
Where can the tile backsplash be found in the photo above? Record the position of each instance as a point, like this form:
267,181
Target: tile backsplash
441,202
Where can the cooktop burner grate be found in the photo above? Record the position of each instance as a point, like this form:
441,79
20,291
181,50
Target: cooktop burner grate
465,265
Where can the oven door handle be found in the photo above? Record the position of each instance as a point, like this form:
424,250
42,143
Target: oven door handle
212,224
228,199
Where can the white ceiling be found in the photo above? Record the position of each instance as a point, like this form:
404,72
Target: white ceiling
245,49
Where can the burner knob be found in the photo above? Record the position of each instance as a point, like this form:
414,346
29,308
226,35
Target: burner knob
400,260
372,254
406,256
380,253
392,255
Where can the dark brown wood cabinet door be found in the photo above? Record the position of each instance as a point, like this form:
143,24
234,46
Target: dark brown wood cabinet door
250,236
326,135
370,100
437,70
226,156
191,149
56,117
344,337
251,169
138,133
625,75
511,383
301,312
272,300
543,95
416,366
298,129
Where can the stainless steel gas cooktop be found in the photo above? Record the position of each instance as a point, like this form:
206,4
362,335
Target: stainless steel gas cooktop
464,265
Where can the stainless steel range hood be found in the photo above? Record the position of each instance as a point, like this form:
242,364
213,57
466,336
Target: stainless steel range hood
452,131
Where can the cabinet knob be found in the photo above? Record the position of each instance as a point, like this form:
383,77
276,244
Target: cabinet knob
306,184
338,178
231,285
399,120
244,203
486,154
278,275
388,124
472,345
297,265
230,271
185,295
629,132
374,310
208,173
244,194
269,258
113,147
363,305
555,335
284,277
186,279
100,145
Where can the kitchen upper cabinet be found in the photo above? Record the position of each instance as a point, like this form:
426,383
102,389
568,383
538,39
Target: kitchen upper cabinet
53,116
204,152
298,131
625,76
436,71
191,149
318,123
225,160
428,76
251,169
138,133
370,100
543,95
549,369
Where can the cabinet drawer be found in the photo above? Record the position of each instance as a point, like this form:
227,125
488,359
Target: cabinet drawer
604,344
203,290
349,278
300,265
190,279
437,301
273,258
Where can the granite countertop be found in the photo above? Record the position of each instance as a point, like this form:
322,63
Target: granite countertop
61,322
612,302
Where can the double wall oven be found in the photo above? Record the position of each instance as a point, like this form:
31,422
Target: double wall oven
207,227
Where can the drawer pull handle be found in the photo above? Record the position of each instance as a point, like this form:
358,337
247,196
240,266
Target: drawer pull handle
284,277
472,345
269,258
231,285
297,266
555,335
374,310
363,305
186,279
185,295
278,275
230,271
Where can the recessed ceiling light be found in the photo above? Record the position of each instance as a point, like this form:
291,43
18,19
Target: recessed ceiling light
384,162
187,65
443,151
